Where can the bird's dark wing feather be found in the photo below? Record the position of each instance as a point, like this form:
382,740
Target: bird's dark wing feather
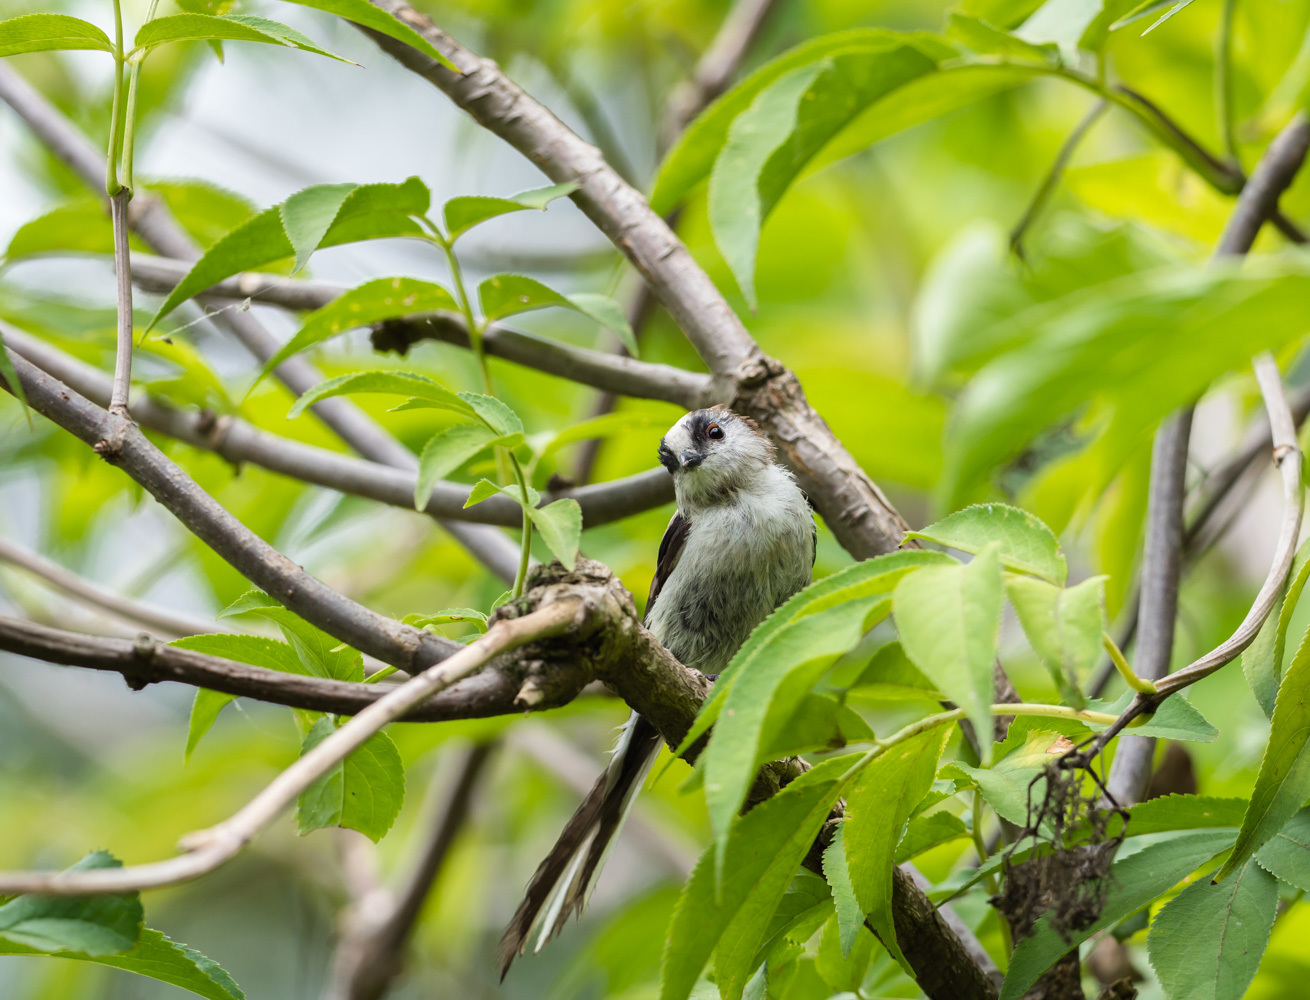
671,545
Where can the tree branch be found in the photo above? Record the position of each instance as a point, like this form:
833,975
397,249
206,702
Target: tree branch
238,441
852,505
149,218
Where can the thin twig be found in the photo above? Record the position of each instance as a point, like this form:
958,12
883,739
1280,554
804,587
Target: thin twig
208,849
1043,193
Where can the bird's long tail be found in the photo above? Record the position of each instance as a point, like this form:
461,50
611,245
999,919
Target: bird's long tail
564,880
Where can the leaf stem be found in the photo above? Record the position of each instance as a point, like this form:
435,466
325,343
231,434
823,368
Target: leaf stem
525,550
116,114
1138,684
1223,80
1006,708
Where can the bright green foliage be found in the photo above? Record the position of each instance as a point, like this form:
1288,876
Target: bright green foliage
366,212
1184,812
890,676
1064,626
155,956
231,27
364,792
924,832
447,450
78,224
1283,784
204,210
764,849
878,806
1287,855
393,382
1206,944
504,295
41,32
1175,719
92,925
449,616
1138,878
462,214
371,16
1262,661
559,523
372,302
984,39
949,618
1024,543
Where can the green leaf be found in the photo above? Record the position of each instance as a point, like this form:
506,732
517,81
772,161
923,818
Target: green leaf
307,215
445,452
1136,881
606,426
370,211
765,848
890,676
949,619
1064,626
873,576
370,16
492,412
560,526
878,806
204,210
928,831
762,701
252,649
233,27
90,925
804,908
11,377
1175,719
1283,784
1009,783
504,295
1287,855
1207,942
1184,812
79,224
1262,662
156,957
849,912
484,489
369,303
1025,544
388,382
985,39
320,654
449,615
250,601
463,213
364,792
42,32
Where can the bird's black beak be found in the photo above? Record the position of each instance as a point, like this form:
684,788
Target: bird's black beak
691,459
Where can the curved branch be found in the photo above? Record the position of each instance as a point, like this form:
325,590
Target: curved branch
238,441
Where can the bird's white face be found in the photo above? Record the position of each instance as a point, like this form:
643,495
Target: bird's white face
712,453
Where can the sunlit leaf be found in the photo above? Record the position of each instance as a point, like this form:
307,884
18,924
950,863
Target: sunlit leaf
232,27
1023,542
1011,784
1064,626
364,792
1287,855
1262,661
928,831
462,214
509,294
560,526
1175,719
43,32
447,450
387,382
371,16
90,925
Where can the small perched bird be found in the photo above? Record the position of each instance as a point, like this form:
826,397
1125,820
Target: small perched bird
741,543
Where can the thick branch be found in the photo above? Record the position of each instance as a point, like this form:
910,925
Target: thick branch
238,441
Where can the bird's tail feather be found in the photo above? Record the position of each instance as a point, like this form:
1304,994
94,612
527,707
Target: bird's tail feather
564,880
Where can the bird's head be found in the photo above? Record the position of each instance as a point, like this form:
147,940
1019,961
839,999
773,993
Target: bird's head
713,453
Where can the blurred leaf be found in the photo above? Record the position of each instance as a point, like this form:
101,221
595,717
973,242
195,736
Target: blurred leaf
369,303
369,211
462,214
1136,880
484,489
364,13
605,426
1207,942
389,382
504,295
928,831
1184,812
1064,626
985,39
1073,24
43,32
1287,855
1283,784
364,792
1175,719
78,225
1024,543
156,957
11,378
204,210
234,27
90,925
878,806
949,619
447,450
1262,662
560,526
765,848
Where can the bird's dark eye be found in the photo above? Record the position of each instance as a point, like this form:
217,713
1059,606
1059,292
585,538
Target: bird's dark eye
714,432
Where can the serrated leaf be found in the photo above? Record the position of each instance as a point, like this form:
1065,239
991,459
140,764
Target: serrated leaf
307,215
248,602
484,489
156,957
44,32
803,909
928,831
1023,542
1184,812
1175,719
1136,881
878,806
370,16
90,925
560,526
765,848
1008,785
320,654
369,303
504,295
1287,855
256,650
445,452
370,211
873,576
1207,942
1283,783
949,619
386,382
1262,661
1064,627
364,792
189,27
463,213
494,413
849,913
760,702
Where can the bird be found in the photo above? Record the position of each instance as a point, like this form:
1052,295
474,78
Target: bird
742,541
